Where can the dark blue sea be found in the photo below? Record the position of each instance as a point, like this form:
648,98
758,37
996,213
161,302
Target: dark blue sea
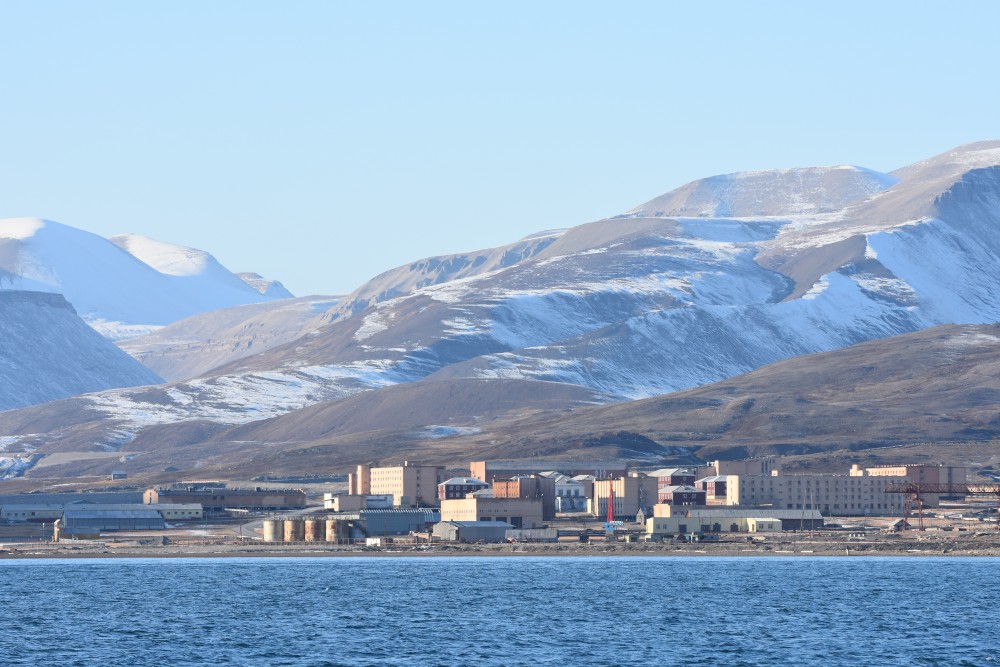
500,611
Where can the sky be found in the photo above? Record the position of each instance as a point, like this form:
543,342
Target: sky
321,143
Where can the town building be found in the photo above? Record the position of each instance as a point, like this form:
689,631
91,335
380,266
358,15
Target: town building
529,486
588,484
459,487
396,521
681,495
91,522
566,486
471,531
218,499
756,466
48,512
342,502
917,473
673,520
631,493
833,495
488,471
411,484
571,493
674,476
484,506
714,488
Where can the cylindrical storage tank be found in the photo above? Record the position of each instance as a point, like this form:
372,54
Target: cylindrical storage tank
315,530
331,530
273,530
294,530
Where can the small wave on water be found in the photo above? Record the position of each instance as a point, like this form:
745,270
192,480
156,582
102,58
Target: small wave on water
499,611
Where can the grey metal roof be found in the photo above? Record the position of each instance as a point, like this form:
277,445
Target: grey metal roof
424,515
112,514
681,489
102,507
466,481
66,498
713,478
750,512
32,508
531,466
480,524
669,472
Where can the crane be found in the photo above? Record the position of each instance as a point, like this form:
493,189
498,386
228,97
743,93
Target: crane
914,492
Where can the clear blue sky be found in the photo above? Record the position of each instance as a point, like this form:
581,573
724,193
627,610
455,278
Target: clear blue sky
320,143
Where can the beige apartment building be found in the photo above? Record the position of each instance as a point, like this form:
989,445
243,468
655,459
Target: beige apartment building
631,493
484,506
834,495
411,485
917,473
767,465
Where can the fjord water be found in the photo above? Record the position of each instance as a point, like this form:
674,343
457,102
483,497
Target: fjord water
500,611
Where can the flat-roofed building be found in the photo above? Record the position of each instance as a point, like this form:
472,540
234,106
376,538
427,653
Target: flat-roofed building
920,473
631,493
80,522
342,502
669,519
529,486
833,495
217,499
484,506
459,487
714,488
488,471
571,494
681,495
411,484
40,513
674,476
397,521
757,466
472,531
50,512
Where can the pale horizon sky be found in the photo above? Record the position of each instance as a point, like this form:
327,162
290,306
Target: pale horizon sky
321,143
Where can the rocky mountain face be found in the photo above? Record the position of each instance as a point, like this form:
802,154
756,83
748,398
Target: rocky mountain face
47,352
711,281
194,346
124,286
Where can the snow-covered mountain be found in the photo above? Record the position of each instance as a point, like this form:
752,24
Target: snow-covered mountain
272,289
122,287
769,193
48,353
643,304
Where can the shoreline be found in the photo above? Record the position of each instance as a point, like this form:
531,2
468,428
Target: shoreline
803,547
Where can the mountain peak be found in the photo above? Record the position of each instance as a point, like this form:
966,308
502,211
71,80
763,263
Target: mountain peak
269,288
774,192
168,258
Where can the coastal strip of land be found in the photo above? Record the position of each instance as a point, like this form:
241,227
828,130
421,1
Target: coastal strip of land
910,544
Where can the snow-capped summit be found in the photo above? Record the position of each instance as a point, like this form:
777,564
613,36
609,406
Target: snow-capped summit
122,287
168,258
272,289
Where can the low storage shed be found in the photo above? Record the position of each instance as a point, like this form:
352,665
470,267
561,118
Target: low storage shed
472,531
89,522
397,522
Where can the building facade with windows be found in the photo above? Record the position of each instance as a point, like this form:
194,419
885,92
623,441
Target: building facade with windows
411,484
833,495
